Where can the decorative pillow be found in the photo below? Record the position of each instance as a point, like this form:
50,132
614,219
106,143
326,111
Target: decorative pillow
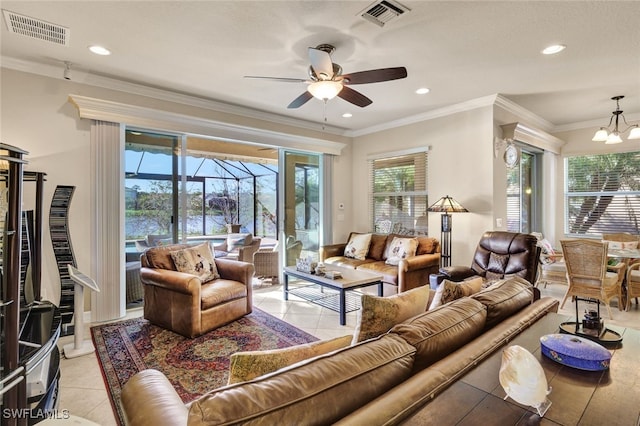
245,366
196,260
401,248
448,291
379,314
235,241
358,246
621,245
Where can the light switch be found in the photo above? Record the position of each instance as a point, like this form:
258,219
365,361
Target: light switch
499,222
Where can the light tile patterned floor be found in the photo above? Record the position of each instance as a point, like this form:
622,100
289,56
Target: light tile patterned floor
82,390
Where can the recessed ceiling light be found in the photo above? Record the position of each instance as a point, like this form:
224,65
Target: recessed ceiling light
99,50
347,115
553,49
422,90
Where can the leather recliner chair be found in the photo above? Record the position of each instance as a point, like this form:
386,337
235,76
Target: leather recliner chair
182,303
499,254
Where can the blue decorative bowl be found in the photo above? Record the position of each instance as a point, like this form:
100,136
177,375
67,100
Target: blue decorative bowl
575,351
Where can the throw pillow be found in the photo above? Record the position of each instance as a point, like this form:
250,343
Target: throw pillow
358,246
401,248
449,291
198,261
245,366
379,314
235,241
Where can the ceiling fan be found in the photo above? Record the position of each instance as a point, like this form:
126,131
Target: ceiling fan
326,80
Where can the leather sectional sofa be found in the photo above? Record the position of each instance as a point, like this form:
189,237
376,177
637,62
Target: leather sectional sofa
381,381
409,273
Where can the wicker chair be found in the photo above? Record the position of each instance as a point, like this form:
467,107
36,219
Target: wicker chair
587,272
266,264
633,284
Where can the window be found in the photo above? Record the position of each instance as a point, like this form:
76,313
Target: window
399,193
523,194
602,194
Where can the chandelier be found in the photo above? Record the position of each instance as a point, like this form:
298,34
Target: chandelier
613,136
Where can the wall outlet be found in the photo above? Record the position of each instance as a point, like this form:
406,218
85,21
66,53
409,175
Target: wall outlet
499,222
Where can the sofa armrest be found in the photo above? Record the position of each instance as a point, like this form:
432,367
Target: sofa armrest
171,280
148,398
235,270
331,251
421,261
457,273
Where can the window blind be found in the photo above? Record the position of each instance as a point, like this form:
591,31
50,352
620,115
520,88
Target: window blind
602,194
398,195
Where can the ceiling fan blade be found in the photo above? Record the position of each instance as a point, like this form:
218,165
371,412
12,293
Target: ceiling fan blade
375,76
356,98
300,100
284,79
321,63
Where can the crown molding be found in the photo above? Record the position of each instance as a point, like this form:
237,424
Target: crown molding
523,114
83,77
532,136
429,115
99,109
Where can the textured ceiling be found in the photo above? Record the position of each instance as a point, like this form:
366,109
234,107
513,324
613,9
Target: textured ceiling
460,50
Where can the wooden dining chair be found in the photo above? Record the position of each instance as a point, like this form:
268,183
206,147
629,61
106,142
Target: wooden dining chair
587,272
633,284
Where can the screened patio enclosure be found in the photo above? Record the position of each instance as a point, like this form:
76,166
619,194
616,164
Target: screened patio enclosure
177,186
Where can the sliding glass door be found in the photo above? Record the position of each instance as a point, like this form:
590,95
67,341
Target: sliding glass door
301,182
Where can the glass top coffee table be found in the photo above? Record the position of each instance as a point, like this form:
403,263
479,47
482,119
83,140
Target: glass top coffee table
331,293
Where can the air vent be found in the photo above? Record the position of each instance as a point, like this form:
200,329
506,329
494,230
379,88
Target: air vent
383,11
35,28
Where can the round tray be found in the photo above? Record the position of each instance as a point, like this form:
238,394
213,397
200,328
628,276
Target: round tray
605,337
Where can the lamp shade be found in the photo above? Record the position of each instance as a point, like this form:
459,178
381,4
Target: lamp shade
447,204
601,135
614,137
326,89
635,133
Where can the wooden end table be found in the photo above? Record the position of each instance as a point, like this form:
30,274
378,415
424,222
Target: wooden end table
351,279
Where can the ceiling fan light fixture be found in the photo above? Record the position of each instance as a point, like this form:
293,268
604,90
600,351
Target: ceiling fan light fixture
325,90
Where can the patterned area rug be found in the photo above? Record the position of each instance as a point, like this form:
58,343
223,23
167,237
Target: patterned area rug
194,366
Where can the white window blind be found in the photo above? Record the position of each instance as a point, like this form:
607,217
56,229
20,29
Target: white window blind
602,194
399,194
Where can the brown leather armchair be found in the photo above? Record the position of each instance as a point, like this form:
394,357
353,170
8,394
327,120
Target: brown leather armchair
182,303
499,254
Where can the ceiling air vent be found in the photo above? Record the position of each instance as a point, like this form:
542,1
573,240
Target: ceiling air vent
35,28
383,11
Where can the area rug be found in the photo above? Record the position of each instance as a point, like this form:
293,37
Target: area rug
193,366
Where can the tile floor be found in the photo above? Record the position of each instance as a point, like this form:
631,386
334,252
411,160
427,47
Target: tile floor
82,390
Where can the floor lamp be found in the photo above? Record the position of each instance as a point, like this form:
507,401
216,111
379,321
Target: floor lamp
446,205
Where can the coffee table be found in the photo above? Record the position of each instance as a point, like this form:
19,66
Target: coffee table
578,397
335,300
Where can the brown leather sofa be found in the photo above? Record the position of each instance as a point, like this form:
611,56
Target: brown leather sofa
499,255
182,303
387,378
410,273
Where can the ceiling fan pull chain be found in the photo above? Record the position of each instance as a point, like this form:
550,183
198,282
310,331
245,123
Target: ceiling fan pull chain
324,113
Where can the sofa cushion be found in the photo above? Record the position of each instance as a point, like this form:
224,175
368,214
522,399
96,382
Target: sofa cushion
437,333
504,298
196,260
401,248
377,246
244,366
389,272
358,246
449,291
379,314
347,262
221,291
319,387
427,245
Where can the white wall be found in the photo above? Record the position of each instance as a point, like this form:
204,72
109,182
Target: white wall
37,117
461,164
